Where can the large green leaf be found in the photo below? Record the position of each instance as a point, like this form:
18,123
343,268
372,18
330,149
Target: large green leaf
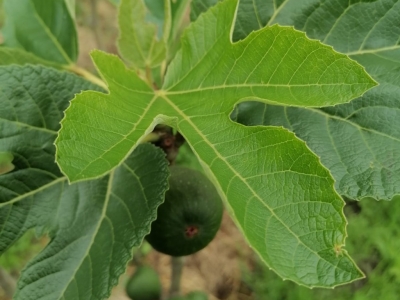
138,42
252,14
359,142
93,225
71,7
166,15
9,56
280,195
44,28
178,13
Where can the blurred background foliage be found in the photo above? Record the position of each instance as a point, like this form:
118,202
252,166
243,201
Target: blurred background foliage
15,258
373,230
373,241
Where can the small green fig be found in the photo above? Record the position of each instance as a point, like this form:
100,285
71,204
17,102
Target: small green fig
190,216
196,295
144,284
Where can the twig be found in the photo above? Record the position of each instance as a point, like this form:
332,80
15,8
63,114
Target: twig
176,269
7,283
94,24
87,75
149,77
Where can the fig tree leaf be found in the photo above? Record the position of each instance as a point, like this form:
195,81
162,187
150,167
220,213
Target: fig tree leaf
280,195
178,13
155,13
71,7
252,14
93,225
44,28
199,6
9,56
33,99
138,42
166,15
359,141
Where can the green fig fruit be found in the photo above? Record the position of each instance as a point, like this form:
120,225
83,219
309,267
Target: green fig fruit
190,216
197,295
144,284
177,298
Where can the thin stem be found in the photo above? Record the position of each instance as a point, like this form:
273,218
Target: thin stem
151,137
137,258
8,283
87,75
162,70
94,23
149,77
176,269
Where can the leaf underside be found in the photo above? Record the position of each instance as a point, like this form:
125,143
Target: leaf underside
358,142
280,195
138,42
9,56
93,225
47,30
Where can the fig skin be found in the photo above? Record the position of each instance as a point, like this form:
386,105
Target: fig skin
190,216
196,295
144,284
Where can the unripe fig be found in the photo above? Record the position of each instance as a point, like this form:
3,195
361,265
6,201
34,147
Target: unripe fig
144,285
196,295
190,216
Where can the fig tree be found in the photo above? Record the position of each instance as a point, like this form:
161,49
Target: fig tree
190,216
144,284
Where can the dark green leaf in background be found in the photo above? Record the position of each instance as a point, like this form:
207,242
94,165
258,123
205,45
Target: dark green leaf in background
93,225
9,56
359,142
44,28
71,7
252,14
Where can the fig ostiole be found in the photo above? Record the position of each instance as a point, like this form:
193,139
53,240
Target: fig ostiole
190,216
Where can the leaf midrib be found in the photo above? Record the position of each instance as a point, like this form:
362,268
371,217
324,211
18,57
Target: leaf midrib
53,40
43,187
29,126
389,48
95,232
360,128
259,85
276,12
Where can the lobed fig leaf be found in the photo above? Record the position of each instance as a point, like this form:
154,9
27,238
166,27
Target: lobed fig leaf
277,190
